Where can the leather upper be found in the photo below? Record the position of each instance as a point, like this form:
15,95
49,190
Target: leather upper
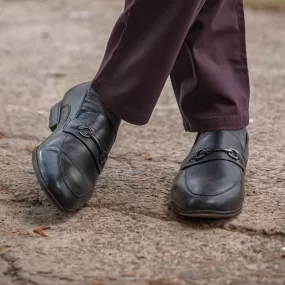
211,178
72,157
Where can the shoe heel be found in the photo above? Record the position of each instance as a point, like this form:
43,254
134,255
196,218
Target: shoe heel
54,116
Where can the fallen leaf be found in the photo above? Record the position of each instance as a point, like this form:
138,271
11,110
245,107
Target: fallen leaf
30,148
40,231
148,156
283,255
1,136
129,274
56,74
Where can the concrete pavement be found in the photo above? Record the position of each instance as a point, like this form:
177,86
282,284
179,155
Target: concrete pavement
127,234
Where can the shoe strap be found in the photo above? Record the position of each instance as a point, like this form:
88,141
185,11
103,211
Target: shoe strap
211,154
90,138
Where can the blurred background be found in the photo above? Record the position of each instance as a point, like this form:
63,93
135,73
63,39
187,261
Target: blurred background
128,234
276,5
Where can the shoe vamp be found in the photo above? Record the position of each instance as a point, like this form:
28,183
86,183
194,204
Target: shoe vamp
78,166
213,177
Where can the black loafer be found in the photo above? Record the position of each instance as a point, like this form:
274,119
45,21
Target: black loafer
210,183
67,164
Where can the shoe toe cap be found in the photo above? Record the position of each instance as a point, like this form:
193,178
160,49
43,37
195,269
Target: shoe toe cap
195,192
61,178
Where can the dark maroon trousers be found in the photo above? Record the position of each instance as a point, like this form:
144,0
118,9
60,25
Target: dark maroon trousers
199,43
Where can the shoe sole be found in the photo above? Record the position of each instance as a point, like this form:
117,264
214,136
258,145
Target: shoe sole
206,214
43,184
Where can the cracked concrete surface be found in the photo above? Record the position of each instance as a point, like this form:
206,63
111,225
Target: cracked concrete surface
127,234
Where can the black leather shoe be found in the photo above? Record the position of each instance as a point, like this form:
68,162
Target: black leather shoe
210,183
67,164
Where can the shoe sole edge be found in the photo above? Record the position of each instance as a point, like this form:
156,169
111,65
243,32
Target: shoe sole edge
206,213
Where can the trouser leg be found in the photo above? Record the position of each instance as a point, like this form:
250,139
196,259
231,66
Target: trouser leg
140,55
210,75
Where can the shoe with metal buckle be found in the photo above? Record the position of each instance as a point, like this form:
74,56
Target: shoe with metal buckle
68,163
210,183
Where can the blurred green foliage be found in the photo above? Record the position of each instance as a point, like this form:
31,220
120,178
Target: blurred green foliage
266,4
